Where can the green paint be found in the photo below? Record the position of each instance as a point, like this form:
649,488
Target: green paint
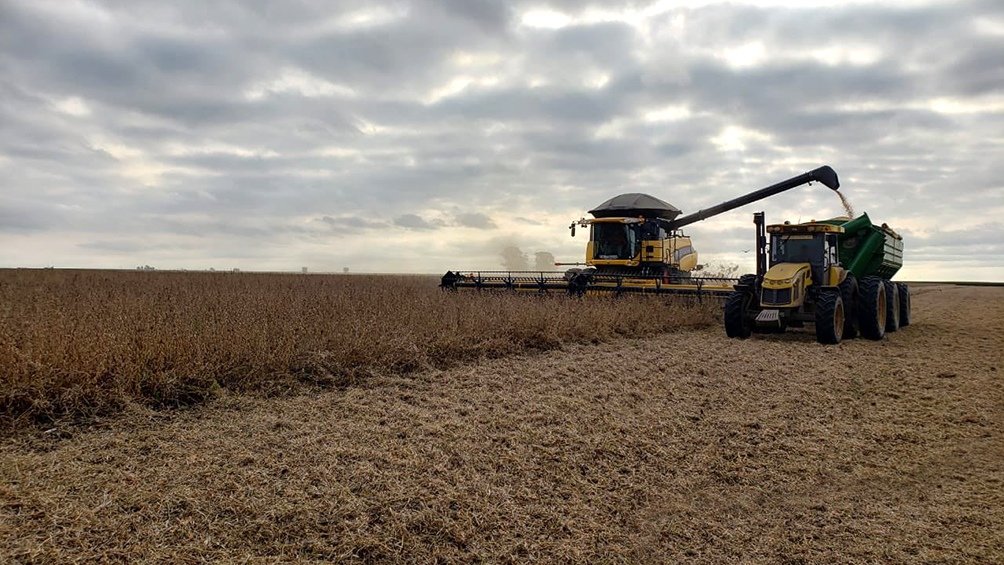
867,249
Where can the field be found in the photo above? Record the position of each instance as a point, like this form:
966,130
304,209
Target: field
505,429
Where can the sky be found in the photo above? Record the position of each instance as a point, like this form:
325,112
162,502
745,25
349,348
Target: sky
425,135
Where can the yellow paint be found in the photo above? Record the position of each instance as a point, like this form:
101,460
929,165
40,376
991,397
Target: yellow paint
836,275
676,251
807,227
783,274
651,284
651,251
681,253
791,276
612,262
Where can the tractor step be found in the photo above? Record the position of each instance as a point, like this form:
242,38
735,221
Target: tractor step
769,317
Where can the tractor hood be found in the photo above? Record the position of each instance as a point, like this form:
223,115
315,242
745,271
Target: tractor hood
781,275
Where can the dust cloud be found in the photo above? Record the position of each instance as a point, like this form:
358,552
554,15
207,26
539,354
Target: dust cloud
543,261
515,259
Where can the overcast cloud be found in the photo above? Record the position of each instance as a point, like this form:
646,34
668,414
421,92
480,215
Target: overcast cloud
420,136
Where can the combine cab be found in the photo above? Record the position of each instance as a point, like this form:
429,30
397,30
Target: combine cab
636,244
834,274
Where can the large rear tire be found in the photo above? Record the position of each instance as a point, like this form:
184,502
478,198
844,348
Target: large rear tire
737,324
871,308
849,294
904,305
830,319
892,307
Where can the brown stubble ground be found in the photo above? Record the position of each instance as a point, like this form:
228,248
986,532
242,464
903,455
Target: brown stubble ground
687,446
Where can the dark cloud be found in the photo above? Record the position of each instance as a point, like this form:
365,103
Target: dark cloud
413,222
352,224
530,221
475,220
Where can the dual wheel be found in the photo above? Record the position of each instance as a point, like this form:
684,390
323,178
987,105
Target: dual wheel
884,307
871,307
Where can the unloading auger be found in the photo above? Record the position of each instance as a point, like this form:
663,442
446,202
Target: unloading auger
635,245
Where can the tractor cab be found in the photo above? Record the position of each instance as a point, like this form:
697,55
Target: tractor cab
801,256
815,244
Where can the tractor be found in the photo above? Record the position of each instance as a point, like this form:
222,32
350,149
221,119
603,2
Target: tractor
834,274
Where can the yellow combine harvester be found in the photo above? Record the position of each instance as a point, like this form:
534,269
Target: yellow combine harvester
635,245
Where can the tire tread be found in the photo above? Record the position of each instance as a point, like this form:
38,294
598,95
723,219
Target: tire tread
869,290
736,325
827,304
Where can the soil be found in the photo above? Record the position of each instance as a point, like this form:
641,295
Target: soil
685,446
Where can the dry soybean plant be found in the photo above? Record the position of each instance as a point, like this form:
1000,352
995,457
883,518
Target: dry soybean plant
80,343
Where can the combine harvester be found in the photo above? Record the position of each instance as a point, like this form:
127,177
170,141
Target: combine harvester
834,274
635,245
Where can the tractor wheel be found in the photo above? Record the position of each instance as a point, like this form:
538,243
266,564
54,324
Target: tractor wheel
737,324
871,307
830,319
904,305
747,280
849,293
892,307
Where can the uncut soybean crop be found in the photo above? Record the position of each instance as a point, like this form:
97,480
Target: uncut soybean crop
82,343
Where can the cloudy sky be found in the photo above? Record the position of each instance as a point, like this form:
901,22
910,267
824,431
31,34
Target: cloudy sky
425,135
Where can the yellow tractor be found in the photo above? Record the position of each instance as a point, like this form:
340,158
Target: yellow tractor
833,274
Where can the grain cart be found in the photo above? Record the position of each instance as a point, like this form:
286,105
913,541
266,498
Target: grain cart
834,274
636,244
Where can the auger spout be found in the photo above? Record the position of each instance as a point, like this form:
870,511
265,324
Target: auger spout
824,175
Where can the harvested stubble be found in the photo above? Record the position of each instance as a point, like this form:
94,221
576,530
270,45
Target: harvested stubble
80,343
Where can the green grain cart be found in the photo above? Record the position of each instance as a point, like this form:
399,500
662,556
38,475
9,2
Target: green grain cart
834,274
